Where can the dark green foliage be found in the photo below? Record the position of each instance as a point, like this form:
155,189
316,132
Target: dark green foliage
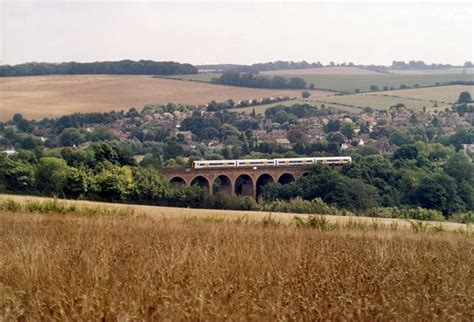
123,67
330,186
51,175
71,137
203,128
294,112
464,97
257,81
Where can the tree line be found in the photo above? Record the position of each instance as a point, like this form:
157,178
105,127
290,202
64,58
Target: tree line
123,67
410,179
259,81
261,67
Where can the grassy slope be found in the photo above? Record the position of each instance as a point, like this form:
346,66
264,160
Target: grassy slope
350,79
380,102
172,212
363,82
448,94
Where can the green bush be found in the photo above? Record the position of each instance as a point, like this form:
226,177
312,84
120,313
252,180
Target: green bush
59,207
463,218
300,206
315,222
269,221
223,201
417,213
9,205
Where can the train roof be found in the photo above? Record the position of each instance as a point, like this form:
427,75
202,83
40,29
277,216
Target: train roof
277,159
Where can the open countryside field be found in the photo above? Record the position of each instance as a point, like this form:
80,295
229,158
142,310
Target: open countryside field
337,70
157,212
201,77
446,94
453,70
53,96
380,102
94,266
350,83
340,106
352,78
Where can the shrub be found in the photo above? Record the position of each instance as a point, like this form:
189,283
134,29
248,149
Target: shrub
10,205
463,218
223,201
417,213
301,206
418,226
316,222
269,221
58,207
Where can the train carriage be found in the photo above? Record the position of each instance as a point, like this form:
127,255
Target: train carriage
270,162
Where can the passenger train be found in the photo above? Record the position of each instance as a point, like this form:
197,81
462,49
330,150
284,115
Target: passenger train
270,162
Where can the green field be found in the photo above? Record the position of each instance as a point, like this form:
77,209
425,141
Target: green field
447,94
350,82
344,108
363,82
378,102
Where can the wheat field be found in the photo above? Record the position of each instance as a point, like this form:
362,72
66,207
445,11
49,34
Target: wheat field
52,96
70,267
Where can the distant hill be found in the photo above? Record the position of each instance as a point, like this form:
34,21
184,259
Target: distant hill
123,67
260,67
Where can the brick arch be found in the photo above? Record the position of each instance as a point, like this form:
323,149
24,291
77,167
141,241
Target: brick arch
262,180
223,183
178,180
286,177
202,182
244,185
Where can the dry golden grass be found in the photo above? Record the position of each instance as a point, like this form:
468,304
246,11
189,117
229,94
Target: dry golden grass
66,267
158,213
53,96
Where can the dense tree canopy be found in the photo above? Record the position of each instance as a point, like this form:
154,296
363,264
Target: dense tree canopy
123,67
258,81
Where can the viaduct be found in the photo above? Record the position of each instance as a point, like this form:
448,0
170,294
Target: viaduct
243,181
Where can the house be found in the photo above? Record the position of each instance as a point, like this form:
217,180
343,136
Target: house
314,133
283,142
264,136
383,146
187,135
468,148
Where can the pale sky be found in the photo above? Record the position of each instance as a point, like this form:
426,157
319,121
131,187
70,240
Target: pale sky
242,32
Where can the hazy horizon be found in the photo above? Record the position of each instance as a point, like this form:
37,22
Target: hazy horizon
237,33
